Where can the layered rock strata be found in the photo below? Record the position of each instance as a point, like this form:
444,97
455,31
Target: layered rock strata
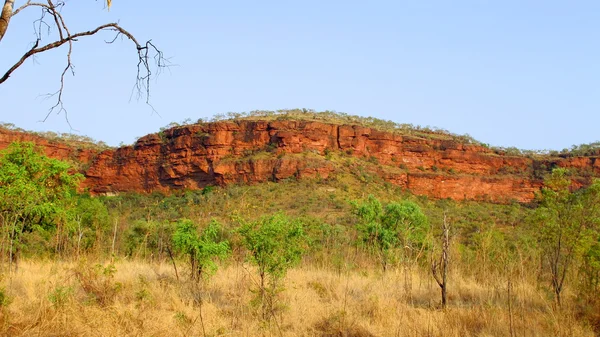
195,156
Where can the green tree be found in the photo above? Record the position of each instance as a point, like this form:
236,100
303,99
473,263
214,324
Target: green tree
590,243
35,193
386,229
559,223
201,248
88,220
275,244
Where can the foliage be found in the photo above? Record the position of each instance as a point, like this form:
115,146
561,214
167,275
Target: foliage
59,297
489,253
397,225
5,300
148,238
202,248
34,187
88,222
275,244
560,223
589,149
35,192
590,242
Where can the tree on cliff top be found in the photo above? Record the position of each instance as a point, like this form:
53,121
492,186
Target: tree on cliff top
150,58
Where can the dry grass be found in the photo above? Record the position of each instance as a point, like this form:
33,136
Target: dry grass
142,299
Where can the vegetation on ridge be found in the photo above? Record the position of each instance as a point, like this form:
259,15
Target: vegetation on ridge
71,139
334,117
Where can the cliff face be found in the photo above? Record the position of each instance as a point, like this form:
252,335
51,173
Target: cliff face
196,156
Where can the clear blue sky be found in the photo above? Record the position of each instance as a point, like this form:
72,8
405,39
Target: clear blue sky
509,73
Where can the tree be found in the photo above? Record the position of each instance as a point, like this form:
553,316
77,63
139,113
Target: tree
439,268
89,219
559,223
52,18
386,229
589,249
202,248
275,244
35,193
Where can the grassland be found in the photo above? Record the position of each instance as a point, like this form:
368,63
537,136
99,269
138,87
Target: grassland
135,298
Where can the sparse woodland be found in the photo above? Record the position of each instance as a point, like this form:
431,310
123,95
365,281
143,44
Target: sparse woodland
348,256
343,256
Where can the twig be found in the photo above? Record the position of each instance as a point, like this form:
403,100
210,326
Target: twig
149,56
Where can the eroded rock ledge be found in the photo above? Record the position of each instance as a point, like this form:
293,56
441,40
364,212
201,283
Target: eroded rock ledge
195,156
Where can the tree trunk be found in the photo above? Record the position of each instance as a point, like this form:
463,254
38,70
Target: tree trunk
445,259
441,276
7,11
557,291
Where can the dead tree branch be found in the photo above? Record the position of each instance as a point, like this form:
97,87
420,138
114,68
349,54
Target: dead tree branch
149,56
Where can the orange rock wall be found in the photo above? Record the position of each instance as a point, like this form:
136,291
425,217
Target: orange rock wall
192,157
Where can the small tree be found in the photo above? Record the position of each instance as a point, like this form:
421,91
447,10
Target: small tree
275,244
397,225
202,248
88,220
559,223
35,193
439,268
589,279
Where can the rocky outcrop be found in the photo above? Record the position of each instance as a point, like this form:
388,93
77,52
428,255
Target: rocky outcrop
195,156
52,148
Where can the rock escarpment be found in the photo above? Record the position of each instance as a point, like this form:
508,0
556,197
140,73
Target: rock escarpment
195,156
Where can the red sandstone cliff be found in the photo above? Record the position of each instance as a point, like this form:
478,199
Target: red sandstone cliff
194,156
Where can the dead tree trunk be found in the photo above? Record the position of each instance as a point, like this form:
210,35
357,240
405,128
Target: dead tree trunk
439,268
7,12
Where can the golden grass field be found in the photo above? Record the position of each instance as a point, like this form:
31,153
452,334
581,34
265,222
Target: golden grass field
145,299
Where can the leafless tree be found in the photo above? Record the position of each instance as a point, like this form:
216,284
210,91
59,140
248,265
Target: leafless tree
150,59
439,268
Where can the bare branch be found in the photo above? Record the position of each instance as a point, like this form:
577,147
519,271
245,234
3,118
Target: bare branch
149,55
27,4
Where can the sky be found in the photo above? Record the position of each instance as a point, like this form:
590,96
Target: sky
509,73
